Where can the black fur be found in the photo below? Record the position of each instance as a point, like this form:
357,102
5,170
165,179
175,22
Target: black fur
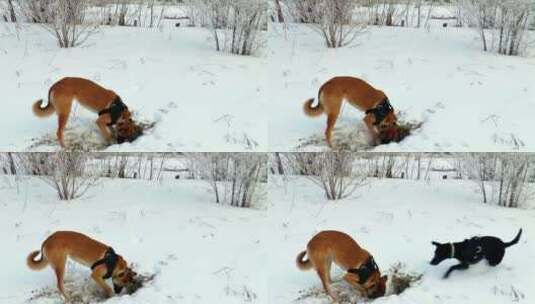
110,259
471,251
116,108
381,111
117,288
365,270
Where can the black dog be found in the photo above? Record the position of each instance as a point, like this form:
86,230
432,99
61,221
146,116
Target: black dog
471,251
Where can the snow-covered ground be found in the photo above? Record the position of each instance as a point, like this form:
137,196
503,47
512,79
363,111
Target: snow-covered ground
468,100
396,220
200,99
201,252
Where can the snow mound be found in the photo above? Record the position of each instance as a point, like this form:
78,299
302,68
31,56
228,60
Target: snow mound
399,279
140,281
81,289
83,137
349,137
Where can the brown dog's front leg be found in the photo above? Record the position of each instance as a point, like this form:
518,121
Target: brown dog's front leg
369,120
102,123
97,277
325,281
349,278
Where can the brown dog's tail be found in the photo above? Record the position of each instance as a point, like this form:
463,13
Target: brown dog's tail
42,112
312,111
303,264
39,111
34,264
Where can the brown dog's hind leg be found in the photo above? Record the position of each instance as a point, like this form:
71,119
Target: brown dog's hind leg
62,122
63,106
102,123
331,120
58,264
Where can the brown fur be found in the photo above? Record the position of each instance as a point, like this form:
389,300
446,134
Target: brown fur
89,94
329,247
63,244
358,93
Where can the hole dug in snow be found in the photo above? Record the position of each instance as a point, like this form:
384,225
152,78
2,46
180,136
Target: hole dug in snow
399,279
399,132
350,138
81,289
140,281
84,137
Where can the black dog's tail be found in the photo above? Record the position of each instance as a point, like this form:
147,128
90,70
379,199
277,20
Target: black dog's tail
515,240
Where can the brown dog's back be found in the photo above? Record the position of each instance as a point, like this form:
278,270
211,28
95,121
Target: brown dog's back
85,91
338,247
332,93
62,93
60,244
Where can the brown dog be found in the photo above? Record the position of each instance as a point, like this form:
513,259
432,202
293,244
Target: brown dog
109,106
104,262
329,247
379,113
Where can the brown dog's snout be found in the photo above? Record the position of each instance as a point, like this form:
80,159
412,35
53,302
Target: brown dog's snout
128,131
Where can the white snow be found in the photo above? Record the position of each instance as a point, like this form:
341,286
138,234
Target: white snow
469,100
396,220
200,99
201,252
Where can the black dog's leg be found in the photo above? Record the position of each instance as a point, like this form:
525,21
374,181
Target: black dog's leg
461,266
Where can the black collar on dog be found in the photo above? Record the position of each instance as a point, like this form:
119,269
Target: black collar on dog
365,270
116,108
381,111
110,259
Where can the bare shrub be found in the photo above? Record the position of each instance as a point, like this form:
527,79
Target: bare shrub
502,178
236,25
7,11
7,164
235,178
66,172
116,13
36,10
277,165
334,172
64,19
278,9
303,10
502,25
392,165
337,21
390,11
146,166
